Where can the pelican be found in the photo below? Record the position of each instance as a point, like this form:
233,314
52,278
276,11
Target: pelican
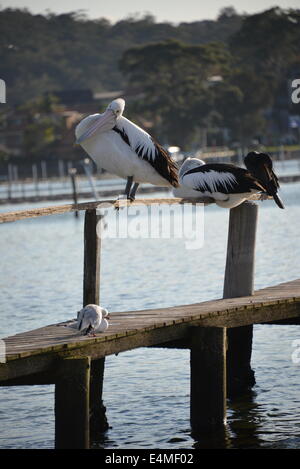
91,319
227,184
121,147
261,167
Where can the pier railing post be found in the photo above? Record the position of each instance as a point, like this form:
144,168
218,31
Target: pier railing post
239,281
72,394
92,248
208,379
91,295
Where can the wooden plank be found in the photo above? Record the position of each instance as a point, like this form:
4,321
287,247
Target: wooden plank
247,309
35,351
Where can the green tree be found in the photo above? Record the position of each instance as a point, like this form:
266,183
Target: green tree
173,80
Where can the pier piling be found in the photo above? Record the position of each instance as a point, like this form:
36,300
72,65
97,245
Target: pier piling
72,396
238,282
91,295
208,379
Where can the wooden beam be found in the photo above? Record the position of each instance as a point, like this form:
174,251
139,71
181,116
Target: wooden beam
60,209
72,394
238,282
208,379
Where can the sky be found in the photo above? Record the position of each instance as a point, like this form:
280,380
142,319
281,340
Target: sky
163,10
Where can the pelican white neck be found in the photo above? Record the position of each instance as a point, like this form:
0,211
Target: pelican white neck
188,164
99,123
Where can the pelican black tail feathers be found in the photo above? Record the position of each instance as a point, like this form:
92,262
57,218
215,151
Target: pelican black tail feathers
165,165
278,200
174,174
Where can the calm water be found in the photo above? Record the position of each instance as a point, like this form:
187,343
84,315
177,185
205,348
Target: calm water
146,391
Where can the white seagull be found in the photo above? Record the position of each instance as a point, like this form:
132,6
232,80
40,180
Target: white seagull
121,147
261,167
227,184
91,319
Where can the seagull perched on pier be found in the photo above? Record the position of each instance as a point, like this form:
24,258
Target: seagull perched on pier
121,147
227,184
91,319
261,167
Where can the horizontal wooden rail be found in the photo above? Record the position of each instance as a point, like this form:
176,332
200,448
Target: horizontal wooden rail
119,203
6,217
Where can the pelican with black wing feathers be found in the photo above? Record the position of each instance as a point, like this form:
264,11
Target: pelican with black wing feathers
121,147
261,167
227,184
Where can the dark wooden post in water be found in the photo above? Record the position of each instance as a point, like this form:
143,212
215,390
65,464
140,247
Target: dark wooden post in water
91,295
239,281
208,379
72,173
72,395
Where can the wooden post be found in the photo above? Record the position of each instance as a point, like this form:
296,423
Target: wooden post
92,248
98,421
72,394
9,181
44,170
72,173
239,281
35,179
91,295
208,379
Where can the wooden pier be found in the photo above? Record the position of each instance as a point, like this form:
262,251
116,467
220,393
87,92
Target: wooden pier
218,333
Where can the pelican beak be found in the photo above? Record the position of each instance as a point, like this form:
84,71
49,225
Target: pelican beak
104,122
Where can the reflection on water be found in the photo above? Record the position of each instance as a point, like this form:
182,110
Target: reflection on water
146,391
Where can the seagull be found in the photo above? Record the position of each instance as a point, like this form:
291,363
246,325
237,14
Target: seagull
91,319
261,167
227,184
121,147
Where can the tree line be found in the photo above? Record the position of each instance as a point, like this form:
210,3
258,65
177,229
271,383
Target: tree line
231,73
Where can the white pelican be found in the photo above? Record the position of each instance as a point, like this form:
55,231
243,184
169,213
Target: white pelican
120,147
261,167
227,184
91,319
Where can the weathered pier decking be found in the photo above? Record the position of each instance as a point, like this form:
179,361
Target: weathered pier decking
132,329
218,334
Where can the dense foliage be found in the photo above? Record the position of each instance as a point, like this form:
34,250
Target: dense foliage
42,53
230,85
181,78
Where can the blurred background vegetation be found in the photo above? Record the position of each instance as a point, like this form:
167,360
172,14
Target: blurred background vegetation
207,83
